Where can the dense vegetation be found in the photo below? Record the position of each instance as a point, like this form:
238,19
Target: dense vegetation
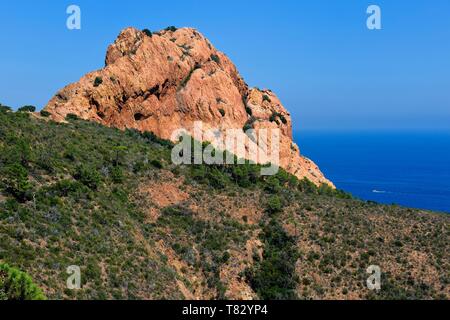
16,285
140,227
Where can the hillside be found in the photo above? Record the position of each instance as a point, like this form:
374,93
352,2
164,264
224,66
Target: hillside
111,202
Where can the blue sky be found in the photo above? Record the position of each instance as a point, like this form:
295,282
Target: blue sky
329,70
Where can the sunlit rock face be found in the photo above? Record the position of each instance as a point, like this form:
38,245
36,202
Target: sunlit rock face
172,79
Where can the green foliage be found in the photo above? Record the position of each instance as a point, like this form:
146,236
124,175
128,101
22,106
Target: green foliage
274,204
27,109
88,176
276,115
222,112
147,32
119,152
16,285
71,117
100,221
98,81
4,109
45,114
272,185
305,185
215,58
151,137
325,189
247,127
157,164
117,174
15,181
188,77
274,277
266,98
248,110
171,28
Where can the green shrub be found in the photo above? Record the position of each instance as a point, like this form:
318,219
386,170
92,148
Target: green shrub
117,174
5,108
247,127
147,32
275,116
222,112
98,81
306,186
27,109
119,152
266,98
71,117
64,188
157,164
272,184
188,77
16,285
88,176
274,204
225,257
215,58
16,181
45,113
248,110
171,28
274,277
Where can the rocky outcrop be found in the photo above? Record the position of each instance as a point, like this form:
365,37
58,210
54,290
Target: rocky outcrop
171,79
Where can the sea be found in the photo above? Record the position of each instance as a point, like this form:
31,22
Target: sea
408,168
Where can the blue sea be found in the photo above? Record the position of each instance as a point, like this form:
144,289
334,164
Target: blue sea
411,169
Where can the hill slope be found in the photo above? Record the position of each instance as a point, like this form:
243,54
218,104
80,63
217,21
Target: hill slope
141,228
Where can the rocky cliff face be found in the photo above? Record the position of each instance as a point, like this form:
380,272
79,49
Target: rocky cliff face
171,79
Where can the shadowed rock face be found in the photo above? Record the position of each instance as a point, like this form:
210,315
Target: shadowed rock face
169,81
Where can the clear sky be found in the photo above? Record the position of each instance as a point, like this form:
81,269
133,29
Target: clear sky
329,70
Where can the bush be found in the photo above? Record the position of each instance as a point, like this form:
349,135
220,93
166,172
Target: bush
275,116
147,32
117,175
171,28
222,112
306,186
98,81
325,189
16,285
248,110
266,98
27,109
188,77
16,182
5,108
88,176
272,185
215,58
274,205
274,278
45,113
65,187
247,127
71,117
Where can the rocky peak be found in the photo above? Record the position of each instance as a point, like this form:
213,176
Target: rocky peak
170,79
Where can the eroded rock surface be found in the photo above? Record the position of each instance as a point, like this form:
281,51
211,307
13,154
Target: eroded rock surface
170,80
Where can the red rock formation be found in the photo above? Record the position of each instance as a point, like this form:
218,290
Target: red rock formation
170,80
